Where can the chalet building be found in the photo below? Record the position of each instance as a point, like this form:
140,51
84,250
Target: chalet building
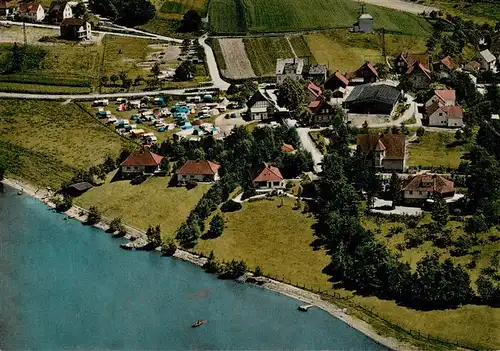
405,60
263,105
383,152
141,162
363,75
59,11
442,110
487,61
337,83
444,66
31,12
322,112
292,68
317,73
419,76
426,186
75,29
198,171
268,178
9,8
379,99
313,91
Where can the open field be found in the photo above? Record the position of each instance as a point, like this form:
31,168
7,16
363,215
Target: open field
177,8
278,240
435,149
233,52
263,53
52,137
257,16
149,203
481,12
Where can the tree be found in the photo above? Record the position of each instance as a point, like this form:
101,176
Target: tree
169,247
2,171
476,224
291,94
420,132
216,226
114,78
328,94
93,216
79,11
16,58
185,71
104,80
64,204
127,83
365,127
165,164
382,69
156,69
123,76
116,225
138,80
191,22
188,234
439,212
395,189
154,235
488,292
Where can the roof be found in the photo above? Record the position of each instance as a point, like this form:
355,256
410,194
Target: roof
453,111
430,182
142,158
339,76
4,4
370,67
294,64
472,66
374,93
417,66
266,95
365,16
203,167
449,63
487,56
318,69
432,108
394,145
446,94
269,174
411,58
314,104
82,186
287,148
314,89
29,7
73,22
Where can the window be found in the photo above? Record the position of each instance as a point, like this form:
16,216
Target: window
411,192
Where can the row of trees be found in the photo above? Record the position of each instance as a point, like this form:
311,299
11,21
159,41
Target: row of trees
127,12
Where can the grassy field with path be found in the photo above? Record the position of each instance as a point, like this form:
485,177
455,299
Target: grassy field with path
435,149
263,53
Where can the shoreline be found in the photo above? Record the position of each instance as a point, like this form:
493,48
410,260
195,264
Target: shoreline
137,237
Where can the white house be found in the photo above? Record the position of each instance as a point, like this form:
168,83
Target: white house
424,186
142,162
289,68
198,171
32,12
75,29
269,178
487,60
442,110
364,24
59,11
445,97
263,105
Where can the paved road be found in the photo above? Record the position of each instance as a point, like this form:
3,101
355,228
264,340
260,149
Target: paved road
308,144
401,5
217,81
89,96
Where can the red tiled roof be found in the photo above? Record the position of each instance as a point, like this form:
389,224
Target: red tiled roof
394,144
449,63
314,104
287,148
430,182
445,94
314,89
380,146
340,77
418,66
29,7
370,66
142,158
192,167
269,174
453,111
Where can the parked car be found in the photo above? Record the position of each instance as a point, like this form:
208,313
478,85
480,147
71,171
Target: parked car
233,115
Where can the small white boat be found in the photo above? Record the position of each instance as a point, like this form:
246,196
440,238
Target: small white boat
305,308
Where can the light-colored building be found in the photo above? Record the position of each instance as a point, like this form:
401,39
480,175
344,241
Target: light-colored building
364,24
487,61
289,68
198,171
75,29
32,12
442,110
269,178
59,11
383,152
263,105
141,162
426,186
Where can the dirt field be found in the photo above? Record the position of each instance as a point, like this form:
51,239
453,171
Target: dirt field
237,62
14,34
400,5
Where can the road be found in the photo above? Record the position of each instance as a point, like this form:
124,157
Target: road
308,144
401,5
217,81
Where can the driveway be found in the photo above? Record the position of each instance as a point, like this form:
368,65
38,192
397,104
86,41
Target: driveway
308,144
399,210
217,81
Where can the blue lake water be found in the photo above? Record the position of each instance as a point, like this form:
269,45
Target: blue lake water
68,286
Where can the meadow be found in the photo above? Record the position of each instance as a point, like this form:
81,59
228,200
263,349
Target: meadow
435,149
259,16
263,53
478,11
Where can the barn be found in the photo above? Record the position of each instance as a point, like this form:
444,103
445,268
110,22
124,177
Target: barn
378,99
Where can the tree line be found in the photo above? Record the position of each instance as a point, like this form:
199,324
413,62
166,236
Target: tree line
127,12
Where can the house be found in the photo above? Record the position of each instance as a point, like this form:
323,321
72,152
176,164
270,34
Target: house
445,66
198,171
317,73
364,24
379,99
289,68
322,112
487,60
313,91
442,110
363,75
335,81
287,148
141,162
384,152
419,76
31,11
75,29
424,186
472,66
59,11
268,178
405,60
9,8
77,189
263,105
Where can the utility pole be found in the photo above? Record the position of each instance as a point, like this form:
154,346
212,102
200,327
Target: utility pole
24,33
383,42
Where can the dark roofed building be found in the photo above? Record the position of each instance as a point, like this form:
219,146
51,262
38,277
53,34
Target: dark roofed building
424,186
322,111
384,152
77,189
377,99
75,29
335,81
317,73
9,8
405,60
363,75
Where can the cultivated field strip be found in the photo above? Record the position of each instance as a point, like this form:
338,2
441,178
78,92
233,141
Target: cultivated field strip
235,56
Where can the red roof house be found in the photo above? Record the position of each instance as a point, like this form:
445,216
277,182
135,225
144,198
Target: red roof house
141,162
335,81
287,148
313,91
364,74
268,178
198,171
424,186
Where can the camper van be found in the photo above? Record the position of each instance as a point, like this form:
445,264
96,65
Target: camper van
100,103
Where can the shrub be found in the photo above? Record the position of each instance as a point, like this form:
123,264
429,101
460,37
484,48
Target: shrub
191,185
232,270
169,247
258,271
141,178
216,226
248,193
231,206
212,266
116,225
93,216
64,204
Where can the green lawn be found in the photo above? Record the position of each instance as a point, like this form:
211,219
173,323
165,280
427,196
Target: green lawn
263,53
301,48
432,151
149,203
56,138
272,16
177,8
481,12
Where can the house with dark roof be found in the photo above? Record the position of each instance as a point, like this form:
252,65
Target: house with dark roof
292,68
141,162
419,76
198,171
336,81
263,105
322,111
405,60
9,8
442,110
383,152
31,11
379,99
444,66
487,61
317,73
59,11
426,186
363,75
77,189
313,91
268,178
472,66
75,29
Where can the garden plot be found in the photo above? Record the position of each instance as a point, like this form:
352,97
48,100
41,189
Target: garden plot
238,66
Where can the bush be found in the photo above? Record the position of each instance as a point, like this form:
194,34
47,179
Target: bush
141,178
116,226
216,226
64,204
258,271
232,270
248,193
94,215
191,185
169,247
231,206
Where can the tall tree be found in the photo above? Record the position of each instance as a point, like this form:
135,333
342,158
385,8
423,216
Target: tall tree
191,22
395,189
216,226
185,71
291,94
439,211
